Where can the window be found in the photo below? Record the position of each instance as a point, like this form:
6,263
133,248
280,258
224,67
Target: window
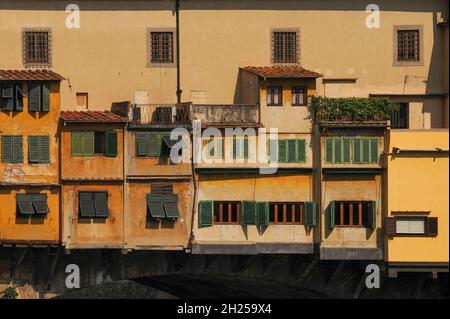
154,144
37,48
11,96
289,151
161,47
93,204
412,226
38,96
399,118
365,150
162,188
32,204
162,205
360,150
82,100
408,45
286,213
39,149
285,46
88,143
353,214
214,147
337,150
299,96
227,212
274,96
240,147
12,149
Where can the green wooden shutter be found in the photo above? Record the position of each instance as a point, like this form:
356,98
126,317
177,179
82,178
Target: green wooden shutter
301,150
248,213
282,151
77,143
153,144
19,97
33,149
337,150
329,150
8,97
262,214
141,144
310,214
110,147
332,214
373,150
7,149
205,213
245,142
357,150
372,222
44,149
45,96
34,97
17,149
291,151
273,151
346,149
366,150
88,143
234,147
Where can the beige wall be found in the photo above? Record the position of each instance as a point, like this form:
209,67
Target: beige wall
106,57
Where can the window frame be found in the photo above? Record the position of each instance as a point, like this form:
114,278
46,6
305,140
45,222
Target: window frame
396,61
282,60
396,127
221,212
92,193
18,88
284,213
303,88
37,64
150,63
424,219
340,204
272,100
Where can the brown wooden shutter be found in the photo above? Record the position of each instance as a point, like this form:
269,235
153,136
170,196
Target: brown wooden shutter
390,226
432,227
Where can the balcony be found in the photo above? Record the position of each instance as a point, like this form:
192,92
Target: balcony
226,115
159,114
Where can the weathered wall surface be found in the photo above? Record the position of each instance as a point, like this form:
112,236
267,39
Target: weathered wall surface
419,182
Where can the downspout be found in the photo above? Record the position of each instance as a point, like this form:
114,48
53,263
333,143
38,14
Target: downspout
177,16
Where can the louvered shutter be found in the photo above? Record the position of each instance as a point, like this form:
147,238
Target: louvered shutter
7,149
25,204
357,147
45,96
40,204
110,146
245,146
329,150
291,151
205,213
248,213
310,214
141,144
273,151
153,144
77,143
170,202
44,149
372,222
366,150
282,151
88,143
34,97
301,150
19,97
101,204
262,214
373,150
33,149
337,150
155,206
331,217
346,146
390,226
17,149
8,97
432,227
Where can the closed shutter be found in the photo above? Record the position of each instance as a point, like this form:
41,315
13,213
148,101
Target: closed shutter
248,213
432,226
346,149
262,214
170,202
291,151
34,97
44,149
337,150
7,149
33,149
372,222
273,151
282,151
19,97
77,143
373,150
357,150
110,146
301,151
310,214
245,142
390,226
153,144
332,210
45,96
366,150
205,213
17,149
88,143
141,144
329,150
7,97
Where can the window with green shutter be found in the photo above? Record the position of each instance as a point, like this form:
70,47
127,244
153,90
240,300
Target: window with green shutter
365,150
110,144
148,144
38,96
240,147
82,143
205,213
282,151
93,204
39,149
310,214
11,96
262,214
12,149
248,213
337,150
32,204
353,214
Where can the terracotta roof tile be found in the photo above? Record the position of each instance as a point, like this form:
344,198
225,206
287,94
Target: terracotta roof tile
29,75
91,116
281,71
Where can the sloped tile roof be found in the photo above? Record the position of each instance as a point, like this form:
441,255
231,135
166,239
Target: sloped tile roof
29,75
91,116
281,71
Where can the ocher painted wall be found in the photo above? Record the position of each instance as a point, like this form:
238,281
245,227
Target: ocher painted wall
419,182
33,230
280,188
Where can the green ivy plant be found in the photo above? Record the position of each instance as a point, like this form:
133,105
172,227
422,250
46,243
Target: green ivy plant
10,293
351,109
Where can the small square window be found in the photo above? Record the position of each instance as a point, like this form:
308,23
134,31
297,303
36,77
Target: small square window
299,96
285,46
37,47
161,47
399,118
82,100
274,96
408,45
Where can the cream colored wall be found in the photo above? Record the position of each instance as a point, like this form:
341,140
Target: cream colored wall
247,187
419,182
106,57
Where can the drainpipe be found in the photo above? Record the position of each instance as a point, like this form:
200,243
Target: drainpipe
177,15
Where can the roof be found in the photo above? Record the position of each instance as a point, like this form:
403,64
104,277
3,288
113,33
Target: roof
91,116
29,75
281,71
